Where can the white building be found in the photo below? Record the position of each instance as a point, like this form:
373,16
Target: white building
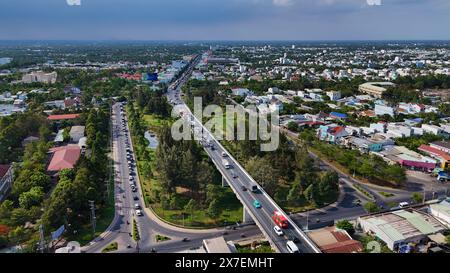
432,129
401,227
381,110
76,133
334,95
442,212
40,76
240,92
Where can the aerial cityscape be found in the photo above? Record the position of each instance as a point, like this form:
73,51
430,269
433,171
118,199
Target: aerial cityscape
187,142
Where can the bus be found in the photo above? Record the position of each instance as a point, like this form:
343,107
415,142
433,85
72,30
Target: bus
279,219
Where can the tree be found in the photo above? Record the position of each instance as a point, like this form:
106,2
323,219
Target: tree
346,225
190,207
293,126
32,197
371,207
417,197
447,239
214,209
262,171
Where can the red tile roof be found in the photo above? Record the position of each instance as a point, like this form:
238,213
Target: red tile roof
348,246
336,130
64,158
3,170
434,151
62,117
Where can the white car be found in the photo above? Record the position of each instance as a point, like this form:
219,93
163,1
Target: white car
137,207
278,230
139,212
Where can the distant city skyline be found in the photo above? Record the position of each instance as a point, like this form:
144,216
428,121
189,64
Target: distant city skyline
225,20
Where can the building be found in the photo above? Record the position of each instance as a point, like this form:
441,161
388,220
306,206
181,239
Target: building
375,89
240,92
76,133
431,129
331,133
381,110
334,95
218,245
336,115
407,158
401,227
443,157
333,240
40,76
63,117
362,144
6,180
64,158
441,145
441,212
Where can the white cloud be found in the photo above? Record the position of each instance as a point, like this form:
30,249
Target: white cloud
73,2
373,2
282,3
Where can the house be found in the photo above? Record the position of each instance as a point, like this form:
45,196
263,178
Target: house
441,212
331,133
432,129
240,92
401,227
59,138
443,157
410,108
441,145
76,133
334,95
381,110
6,179
399,130
63,117
72,90
407,158
273,90
362,144
336,115
64,158
333,240
218,245
29,140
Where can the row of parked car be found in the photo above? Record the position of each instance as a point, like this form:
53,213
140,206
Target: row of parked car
130,161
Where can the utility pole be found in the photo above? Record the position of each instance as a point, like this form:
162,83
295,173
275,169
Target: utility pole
93,219
307,220
41,238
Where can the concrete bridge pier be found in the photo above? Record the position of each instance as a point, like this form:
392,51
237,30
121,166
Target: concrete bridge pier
246,217
224,182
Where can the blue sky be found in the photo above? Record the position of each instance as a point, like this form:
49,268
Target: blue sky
224,20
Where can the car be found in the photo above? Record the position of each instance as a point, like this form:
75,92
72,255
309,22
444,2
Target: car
137,206
135,198
243,188
292,247
403,204
234,175
256,204
133,188
185,240
139,212
278,230
294,239
224,154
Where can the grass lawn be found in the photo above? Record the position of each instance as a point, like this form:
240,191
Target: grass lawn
111,247
232,208
161,238
386,194
263,247
231,213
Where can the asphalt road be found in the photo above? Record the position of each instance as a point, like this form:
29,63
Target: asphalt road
241,184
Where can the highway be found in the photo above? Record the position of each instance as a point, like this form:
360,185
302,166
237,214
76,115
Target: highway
263,215
148,224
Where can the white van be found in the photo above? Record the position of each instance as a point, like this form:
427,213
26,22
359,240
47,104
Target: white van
292,247
403,204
